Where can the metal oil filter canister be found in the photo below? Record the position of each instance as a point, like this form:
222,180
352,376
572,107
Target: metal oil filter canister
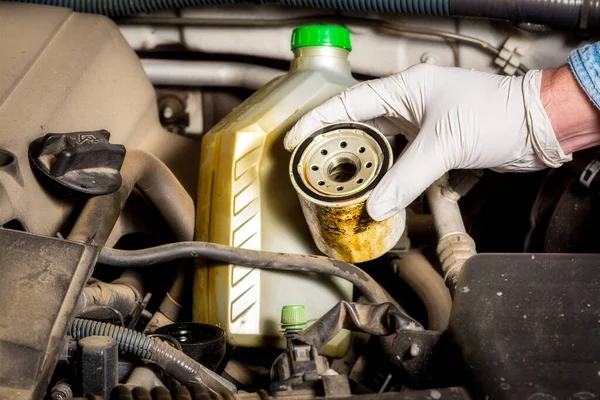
334,171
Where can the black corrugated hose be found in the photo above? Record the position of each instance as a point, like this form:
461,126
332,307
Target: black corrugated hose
582,15
173,361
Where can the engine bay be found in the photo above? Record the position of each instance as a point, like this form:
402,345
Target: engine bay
158,241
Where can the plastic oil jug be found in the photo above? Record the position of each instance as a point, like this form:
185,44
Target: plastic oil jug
246,198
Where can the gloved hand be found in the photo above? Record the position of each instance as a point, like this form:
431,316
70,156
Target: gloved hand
453,117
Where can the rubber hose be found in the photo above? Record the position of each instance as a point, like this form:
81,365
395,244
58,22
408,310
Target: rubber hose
247,258
173,361
414,269
156,181
579,15
129,340
121,8
112,297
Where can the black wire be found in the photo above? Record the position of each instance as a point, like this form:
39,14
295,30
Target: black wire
248,258
253,259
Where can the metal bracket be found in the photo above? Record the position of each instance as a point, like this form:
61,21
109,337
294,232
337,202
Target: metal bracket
137,313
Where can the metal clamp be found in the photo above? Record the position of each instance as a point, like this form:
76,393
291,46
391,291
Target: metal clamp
584,18
589,173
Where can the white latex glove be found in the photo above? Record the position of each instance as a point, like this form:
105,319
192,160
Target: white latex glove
453,117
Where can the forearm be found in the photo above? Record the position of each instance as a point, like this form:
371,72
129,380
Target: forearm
574,118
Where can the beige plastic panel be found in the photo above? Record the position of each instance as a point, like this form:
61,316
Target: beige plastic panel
63,72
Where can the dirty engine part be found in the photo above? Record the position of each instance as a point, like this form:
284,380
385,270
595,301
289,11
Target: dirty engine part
526,325
334,171
81,162
122,142
41,279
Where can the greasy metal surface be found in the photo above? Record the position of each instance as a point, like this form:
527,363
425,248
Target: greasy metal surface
67,72
334,206
245,200
40,282
348,233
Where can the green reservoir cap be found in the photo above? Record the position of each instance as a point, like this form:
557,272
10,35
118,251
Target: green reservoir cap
321,35
293,317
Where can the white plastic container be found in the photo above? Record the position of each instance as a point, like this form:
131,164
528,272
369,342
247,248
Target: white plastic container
246,199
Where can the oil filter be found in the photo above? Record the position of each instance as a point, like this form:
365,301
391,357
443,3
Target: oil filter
334,171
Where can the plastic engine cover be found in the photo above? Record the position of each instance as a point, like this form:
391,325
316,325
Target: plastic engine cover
527,326
65,72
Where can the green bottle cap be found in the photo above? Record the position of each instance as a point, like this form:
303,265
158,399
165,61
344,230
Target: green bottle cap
293,317
321,35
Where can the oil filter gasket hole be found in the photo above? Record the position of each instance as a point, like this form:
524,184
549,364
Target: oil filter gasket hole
342,169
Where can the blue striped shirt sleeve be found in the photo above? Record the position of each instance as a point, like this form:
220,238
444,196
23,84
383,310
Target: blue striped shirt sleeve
585,64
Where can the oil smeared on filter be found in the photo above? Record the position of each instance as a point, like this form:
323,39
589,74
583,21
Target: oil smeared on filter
334,171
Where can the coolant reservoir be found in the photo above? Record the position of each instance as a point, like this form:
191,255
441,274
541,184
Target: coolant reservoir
246,198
